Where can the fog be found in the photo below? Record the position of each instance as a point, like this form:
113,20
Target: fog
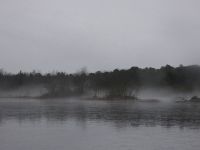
163,95
99,74
114,113
101,35
24,92
134,83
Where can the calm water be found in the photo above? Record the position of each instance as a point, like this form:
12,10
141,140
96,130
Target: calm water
28,124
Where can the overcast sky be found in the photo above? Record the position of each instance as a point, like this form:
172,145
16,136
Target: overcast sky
66,35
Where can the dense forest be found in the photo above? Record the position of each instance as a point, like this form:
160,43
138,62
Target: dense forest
116,83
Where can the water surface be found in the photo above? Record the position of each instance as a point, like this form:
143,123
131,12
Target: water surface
98,125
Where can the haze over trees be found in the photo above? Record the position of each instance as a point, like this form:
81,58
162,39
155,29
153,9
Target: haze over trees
116,83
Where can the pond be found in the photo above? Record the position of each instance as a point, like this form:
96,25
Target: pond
75,124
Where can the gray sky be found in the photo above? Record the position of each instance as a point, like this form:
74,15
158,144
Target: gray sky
65,35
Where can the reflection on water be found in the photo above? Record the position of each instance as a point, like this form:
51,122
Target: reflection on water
98,125
120,114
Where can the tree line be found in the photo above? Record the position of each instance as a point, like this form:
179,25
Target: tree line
116,83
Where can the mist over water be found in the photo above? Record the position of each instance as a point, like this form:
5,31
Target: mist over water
126,113
96,124
24,91
165,95
138,88
134,83
144,94
123,109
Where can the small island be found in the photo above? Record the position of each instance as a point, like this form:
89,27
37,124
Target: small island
195,99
